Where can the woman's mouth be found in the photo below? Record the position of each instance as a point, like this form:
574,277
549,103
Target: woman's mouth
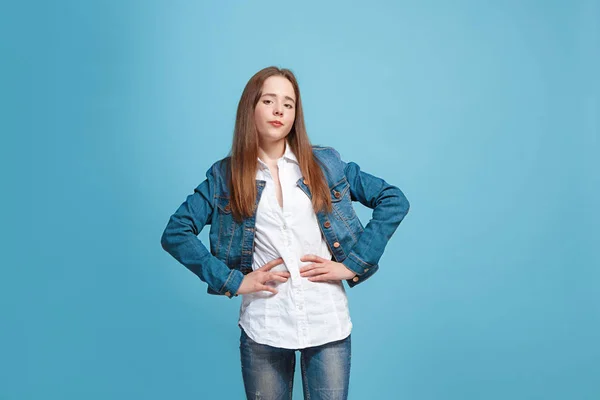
276,123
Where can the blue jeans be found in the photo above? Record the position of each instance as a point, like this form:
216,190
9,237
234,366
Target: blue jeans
268,371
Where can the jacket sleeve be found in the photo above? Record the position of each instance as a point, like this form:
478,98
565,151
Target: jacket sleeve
180,239
389,205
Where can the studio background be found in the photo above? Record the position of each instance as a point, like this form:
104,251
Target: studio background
484,113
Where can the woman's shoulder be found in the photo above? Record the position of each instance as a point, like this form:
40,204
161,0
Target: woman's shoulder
327,154
330,158
219,168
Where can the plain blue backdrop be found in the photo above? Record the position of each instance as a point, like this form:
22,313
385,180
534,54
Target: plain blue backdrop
486,114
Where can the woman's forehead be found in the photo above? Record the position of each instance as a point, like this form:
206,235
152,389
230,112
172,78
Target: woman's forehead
278,85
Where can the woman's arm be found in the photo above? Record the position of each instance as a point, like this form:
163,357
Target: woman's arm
389,205
180,239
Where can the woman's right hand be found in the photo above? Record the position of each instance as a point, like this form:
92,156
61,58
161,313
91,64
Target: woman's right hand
255,280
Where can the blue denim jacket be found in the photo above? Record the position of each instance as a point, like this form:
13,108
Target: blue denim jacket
223,268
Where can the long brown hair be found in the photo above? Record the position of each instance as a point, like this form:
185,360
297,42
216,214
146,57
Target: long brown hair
244,150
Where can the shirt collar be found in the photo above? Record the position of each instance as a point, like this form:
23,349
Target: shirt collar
287,154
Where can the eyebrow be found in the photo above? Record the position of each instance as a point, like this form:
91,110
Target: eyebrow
273,94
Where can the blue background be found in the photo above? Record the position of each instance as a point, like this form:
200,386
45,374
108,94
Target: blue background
486,114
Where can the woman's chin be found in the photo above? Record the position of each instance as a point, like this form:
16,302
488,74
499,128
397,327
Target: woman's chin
271,137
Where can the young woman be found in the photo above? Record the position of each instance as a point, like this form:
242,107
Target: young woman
284,235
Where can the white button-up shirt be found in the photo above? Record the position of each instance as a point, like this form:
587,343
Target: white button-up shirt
303,313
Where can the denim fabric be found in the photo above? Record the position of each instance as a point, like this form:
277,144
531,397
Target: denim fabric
268,372
223,268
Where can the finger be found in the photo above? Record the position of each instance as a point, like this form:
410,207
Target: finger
312,257
308,267
271,264
285,274
308,257
267,288
274,277
314,272
320,278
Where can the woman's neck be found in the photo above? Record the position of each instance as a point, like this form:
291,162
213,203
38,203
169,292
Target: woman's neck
271,152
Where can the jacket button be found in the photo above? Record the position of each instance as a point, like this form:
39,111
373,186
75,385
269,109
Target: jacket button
366,269
228,207
304,181
228,293
336,194
336,245
355,279
327,224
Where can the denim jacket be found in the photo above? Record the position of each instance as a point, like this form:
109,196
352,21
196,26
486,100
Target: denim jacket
223,268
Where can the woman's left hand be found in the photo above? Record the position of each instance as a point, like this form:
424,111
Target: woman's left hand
324,270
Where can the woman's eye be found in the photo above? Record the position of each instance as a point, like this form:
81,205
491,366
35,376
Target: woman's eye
289,106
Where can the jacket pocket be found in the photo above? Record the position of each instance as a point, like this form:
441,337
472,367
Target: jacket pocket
226,229
341,201
224,205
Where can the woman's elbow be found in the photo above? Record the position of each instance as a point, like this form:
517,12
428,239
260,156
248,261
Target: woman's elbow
165,242
402,205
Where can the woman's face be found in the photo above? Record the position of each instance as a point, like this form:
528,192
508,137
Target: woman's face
277,103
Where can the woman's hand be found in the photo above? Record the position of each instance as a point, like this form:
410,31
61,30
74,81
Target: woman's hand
324,270
255,280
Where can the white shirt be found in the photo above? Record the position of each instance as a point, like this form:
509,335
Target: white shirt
303,313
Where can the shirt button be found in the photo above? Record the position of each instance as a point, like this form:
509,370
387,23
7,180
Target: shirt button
336,245
355,279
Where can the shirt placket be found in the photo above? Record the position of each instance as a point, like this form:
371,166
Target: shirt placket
298,297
